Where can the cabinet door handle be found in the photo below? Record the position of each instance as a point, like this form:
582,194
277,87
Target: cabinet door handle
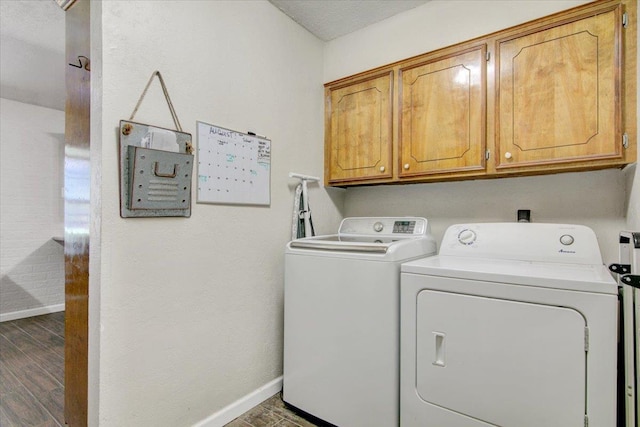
508,155
381,168
406,166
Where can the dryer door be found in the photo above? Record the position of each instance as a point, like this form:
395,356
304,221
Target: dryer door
507,363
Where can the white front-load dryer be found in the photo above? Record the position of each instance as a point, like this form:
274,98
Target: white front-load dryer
511,325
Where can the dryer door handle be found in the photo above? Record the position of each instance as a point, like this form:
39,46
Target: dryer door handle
439,357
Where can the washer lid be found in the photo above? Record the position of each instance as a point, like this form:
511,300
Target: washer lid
576,277
393,238
358,248
335,242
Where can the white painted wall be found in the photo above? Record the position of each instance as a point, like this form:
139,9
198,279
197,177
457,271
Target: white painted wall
190,310
596,199
186,314
31,210
633,197
633,184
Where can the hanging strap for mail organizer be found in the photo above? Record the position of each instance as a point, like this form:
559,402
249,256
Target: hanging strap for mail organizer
156,165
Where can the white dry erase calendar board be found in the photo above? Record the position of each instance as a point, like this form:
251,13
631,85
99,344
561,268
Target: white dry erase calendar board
233,167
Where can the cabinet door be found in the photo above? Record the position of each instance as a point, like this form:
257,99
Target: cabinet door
442,114
358,130
558,95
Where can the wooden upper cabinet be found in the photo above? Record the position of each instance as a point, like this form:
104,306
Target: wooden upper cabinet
558,93
358,129
442,114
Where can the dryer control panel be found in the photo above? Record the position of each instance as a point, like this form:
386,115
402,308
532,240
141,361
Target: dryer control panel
564,243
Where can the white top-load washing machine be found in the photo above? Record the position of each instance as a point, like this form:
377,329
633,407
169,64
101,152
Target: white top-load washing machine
342,319
511,325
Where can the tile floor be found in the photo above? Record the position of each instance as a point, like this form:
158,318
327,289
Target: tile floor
32,380
273,413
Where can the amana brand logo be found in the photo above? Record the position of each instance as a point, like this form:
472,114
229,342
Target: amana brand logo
562,251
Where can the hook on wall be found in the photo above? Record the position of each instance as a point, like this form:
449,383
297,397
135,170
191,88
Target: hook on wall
86,64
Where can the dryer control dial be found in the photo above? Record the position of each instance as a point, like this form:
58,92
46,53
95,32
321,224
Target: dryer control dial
467,236
378,226
567,239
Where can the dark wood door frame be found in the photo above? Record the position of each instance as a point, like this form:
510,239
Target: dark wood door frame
77,179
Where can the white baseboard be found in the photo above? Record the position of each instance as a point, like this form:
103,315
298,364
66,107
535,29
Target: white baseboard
242,405
5,317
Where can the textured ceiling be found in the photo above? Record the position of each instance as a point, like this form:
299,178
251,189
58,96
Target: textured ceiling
32,62
328,19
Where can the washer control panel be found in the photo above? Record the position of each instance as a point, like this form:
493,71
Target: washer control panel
387,226
404,227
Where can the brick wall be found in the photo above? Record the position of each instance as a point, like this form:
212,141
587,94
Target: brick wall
31,209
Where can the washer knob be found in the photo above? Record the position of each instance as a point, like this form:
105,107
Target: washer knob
378,226
567,239
467,236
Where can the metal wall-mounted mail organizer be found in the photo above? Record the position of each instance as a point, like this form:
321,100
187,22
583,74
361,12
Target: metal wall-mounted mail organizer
155,171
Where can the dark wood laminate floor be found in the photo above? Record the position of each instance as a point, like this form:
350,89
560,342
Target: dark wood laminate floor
32,379
32,371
